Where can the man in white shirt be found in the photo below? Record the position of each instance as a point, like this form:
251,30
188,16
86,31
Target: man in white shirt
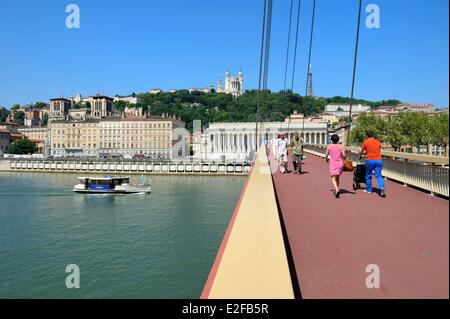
282,153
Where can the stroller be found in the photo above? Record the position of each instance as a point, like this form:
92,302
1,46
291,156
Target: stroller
359,174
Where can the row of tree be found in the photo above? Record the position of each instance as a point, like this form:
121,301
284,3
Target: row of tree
411,129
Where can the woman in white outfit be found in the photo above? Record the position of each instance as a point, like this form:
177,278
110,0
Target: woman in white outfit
275,148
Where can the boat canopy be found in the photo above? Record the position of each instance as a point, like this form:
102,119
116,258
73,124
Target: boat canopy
105,178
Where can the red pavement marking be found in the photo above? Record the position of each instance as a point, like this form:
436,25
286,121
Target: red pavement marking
333,240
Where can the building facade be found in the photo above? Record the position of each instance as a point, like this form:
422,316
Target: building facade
59,108
238,141
37,134
151,137
9,126
5,141
101,106
133,111
203,90
32,118
73,138
155,91
131,99
341,110
79,114
415,107
234,85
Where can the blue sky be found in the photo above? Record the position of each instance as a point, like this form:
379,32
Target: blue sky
135,45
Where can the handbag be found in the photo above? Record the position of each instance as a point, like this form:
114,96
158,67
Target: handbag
348,164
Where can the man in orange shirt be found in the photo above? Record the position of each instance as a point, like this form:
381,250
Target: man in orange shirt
374,163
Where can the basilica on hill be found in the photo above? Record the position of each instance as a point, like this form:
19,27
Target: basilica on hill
234,85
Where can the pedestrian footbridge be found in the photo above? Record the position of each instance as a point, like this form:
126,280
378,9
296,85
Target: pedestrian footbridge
290,238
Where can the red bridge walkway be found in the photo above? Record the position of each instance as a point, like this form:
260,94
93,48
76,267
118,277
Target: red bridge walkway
333,240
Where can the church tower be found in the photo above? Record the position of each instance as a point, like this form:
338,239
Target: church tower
219,86
309,85
234,85
227,81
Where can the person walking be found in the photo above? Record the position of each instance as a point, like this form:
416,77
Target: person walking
335,154
275,146
374,164
297,153
282,154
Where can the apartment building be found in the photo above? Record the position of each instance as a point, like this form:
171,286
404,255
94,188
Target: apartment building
148,136
152,137
74,138
36,134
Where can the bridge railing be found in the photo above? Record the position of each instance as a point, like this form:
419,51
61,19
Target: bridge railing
430,173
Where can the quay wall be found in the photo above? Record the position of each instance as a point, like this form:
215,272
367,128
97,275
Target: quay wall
124,167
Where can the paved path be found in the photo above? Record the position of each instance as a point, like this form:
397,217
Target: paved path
333,240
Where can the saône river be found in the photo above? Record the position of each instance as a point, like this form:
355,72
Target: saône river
159,245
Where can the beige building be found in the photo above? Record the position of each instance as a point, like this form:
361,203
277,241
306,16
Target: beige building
296,117
151,137
415,107
79,114
38,135
133,111
59,108
9,126
131,99
74,138
148,136
101,106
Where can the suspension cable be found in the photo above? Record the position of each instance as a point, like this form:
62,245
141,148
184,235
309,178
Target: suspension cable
267,46
354,71
309,60
310,45
260,71
296,42
288,46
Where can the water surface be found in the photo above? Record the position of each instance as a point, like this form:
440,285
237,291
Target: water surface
160,245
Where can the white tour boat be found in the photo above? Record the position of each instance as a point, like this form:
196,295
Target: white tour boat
110,185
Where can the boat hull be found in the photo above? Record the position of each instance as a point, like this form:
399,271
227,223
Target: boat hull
112,191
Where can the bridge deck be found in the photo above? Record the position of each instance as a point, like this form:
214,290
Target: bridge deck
333,240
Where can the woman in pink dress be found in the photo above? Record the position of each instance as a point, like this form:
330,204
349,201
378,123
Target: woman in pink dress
336,155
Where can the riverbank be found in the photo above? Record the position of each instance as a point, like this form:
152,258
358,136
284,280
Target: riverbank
124,167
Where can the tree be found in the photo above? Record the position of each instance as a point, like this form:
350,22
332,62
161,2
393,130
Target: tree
44,119
24,146
439,131
415,128
394,133
3,114
366,122
19,118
